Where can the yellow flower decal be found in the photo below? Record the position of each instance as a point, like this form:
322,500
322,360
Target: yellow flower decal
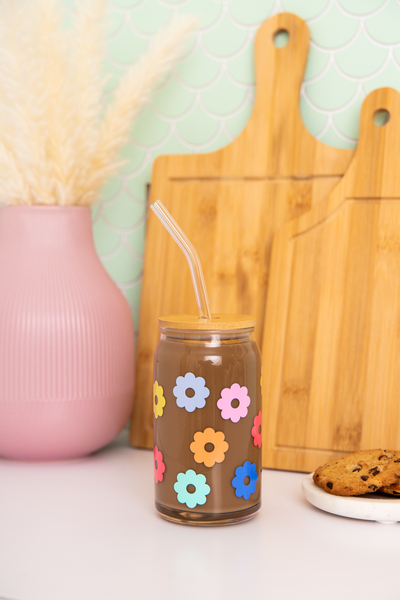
209,447
158,400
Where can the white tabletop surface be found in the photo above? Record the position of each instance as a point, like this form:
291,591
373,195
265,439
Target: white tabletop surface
88,530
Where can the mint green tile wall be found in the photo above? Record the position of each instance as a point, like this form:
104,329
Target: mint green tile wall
207,100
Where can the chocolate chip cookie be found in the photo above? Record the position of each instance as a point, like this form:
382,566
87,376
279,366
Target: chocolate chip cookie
393,490
360,473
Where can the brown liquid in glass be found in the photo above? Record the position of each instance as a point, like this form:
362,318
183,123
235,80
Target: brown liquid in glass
221,364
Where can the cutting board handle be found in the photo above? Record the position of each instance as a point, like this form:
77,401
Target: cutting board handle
374,171
280,70
275,136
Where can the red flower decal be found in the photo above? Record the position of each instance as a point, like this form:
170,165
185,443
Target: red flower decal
159,466
256,430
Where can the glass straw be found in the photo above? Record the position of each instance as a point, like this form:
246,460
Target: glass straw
191,255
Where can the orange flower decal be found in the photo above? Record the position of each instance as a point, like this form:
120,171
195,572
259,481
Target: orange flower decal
209,447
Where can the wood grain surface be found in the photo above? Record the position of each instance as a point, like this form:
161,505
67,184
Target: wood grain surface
230,203
331,344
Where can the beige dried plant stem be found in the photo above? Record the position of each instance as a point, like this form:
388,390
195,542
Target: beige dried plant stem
20,152
58,82
134,92
89,50
56,145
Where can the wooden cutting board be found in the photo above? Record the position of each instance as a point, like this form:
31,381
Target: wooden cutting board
331,344
230,203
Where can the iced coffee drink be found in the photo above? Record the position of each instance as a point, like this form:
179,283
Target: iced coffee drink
207,420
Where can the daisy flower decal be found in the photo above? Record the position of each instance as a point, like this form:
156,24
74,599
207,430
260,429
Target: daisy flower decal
159,466
191,392
191,488
209,447
256,431
245,480
158,400
234,402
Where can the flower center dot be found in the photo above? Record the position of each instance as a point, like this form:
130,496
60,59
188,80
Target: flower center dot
209,447
246,480
156,465
235,403
259,430
190,392
156,400
191,488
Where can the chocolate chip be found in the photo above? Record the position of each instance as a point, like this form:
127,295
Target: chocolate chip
329,485
364,477
356,469
382,456
376,472
397,460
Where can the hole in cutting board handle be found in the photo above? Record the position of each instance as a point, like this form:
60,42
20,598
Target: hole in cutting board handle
381,117
281,38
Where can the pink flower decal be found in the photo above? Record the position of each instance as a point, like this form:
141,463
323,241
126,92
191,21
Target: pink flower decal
159,466
234,403
256,431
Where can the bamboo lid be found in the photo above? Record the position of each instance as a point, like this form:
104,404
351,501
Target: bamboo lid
216,323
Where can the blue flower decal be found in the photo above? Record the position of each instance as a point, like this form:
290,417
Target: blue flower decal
198,392
191,488
242,489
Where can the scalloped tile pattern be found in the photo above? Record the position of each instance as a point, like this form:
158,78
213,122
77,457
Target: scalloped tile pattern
207,100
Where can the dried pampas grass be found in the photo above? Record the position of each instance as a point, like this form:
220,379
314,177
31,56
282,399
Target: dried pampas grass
58,145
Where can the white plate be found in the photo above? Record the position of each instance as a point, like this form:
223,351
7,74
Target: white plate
368,507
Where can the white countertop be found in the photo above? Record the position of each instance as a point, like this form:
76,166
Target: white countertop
88,530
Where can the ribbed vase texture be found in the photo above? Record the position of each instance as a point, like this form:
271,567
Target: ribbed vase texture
66,338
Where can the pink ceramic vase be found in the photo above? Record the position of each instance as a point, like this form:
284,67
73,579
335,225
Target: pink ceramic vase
66,338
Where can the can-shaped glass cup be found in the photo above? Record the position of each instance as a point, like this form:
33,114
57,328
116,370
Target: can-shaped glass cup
207,420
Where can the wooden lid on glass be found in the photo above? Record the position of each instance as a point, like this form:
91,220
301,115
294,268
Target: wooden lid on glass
218,322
